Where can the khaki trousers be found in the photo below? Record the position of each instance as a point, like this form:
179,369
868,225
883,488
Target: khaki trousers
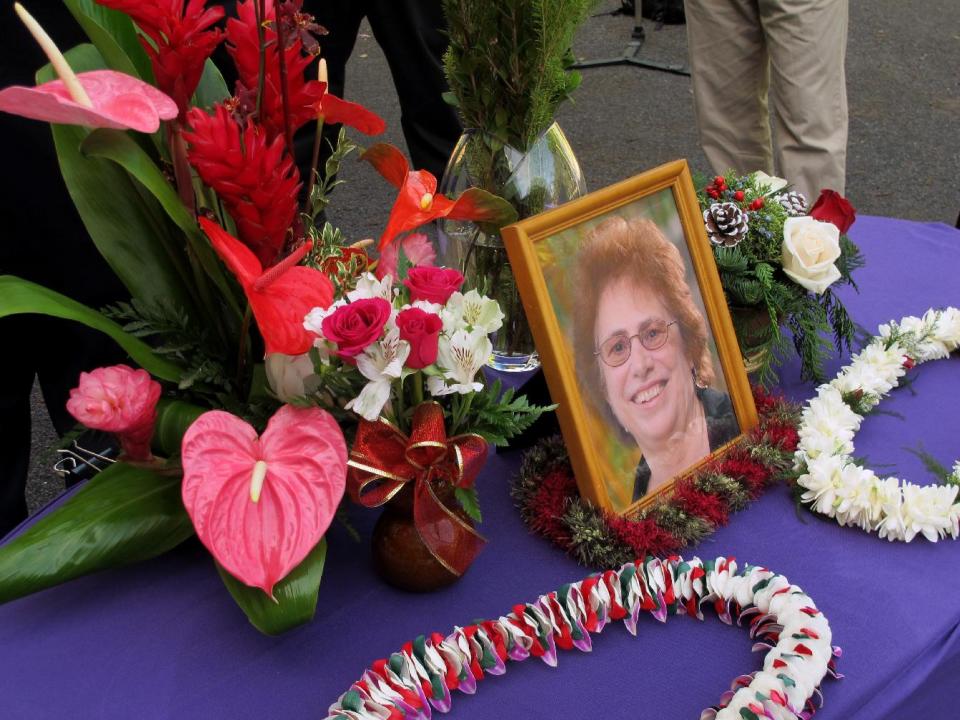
793,50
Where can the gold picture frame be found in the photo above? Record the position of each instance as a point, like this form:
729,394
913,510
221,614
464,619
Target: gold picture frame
606,410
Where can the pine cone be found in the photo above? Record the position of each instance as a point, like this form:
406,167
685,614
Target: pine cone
726,224
795,203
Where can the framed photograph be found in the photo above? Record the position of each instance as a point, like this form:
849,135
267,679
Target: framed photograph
638,349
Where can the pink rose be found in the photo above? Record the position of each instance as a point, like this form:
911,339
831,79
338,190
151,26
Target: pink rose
432,284
355,326
418,249
422,330
120,400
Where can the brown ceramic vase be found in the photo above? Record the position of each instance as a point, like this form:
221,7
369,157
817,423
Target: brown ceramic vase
400,557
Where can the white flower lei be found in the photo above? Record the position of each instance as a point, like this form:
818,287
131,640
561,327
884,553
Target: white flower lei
782,619
835,485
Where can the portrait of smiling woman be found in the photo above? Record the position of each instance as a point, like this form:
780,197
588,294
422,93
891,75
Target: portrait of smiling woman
641,351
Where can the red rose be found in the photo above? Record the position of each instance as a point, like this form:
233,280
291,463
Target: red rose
422,330
355,326
432,284
833,207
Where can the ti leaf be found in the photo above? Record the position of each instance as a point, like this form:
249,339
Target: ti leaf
19,297
296,595
118,218
115,37
124,515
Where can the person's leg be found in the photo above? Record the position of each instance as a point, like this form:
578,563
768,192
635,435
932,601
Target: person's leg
16,369
730,75
807,42
410,32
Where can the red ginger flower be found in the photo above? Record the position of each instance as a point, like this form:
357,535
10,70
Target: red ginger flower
418,202
243,43
254,177
182,37
280,296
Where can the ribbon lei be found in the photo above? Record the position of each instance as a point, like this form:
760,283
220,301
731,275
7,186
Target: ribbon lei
383,460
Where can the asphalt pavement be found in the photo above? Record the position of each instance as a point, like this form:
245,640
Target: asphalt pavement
903,79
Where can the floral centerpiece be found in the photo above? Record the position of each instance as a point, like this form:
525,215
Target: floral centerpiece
192,195
779,261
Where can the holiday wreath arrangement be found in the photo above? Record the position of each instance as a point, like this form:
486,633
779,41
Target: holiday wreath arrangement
836,484
782,619
779,259
224,262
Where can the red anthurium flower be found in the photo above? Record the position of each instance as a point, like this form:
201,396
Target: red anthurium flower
418,202
261,504
281,296
254,177
181,41
337,110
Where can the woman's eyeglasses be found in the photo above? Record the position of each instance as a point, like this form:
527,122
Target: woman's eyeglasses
616,349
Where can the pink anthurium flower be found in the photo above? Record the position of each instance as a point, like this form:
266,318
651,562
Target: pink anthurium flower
261,504
280,296
419,203
100,98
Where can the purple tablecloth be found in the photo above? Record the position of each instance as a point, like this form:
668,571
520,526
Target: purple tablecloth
163,639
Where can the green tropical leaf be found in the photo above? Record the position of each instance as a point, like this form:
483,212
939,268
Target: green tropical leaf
122,149
212,88
124,515
115,37
18,296
120,221
173,419
296,595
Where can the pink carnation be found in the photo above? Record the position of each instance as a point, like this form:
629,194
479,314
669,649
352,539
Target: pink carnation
418,249
120,400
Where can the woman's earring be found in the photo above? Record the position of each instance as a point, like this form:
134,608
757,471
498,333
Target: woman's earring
701,385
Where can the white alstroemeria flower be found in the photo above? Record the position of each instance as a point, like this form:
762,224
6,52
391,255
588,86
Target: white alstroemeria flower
369,287
425,305
773,184
474,310
381,363
460,357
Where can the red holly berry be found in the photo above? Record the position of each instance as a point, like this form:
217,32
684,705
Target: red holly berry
908,362
757,204
713,192
738,195
719,181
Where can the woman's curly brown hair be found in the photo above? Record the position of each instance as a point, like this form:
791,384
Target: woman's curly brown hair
637,251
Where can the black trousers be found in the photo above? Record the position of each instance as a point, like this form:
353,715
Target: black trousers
411,35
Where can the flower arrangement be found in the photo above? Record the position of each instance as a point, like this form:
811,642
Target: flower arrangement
833,482
779,260
782,618
209,227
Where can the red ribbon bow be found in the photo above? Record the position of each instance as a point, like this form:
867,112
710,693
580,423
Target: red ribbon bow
383,460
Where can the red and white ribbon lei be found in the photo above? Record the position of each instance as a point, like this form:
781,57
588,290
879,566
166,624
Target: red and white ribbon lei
781,618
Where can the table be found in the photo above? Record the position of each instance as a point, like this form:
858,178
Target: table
163,639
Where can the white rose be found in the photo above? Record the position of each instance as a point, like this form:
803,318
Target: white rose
772,183
810,249
286,373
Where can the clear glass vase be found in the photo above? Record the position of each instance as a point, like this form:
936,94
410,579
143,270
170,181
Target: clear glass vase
541,178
